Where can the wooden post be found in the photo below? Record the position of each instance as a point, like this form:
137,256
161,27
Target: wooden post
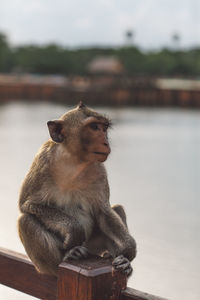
92,279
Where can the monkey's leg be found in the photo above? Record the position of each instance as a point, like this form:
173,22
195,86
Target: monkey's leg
99,242
56,222
120,211
120,262
113,243
43,247
114,226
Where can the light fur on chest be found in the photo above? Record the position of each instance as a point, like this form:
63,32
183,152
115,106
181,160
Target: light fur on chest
76,205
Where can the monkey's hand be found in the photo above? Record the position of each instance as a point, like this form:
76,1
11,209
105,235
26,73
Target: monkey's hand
78,252
122,264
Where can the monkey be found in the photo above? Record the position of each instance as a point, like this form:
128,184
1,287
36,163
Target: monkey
64,198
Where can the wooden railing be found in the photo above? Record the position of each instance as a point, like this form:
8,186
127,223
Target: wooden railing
91,279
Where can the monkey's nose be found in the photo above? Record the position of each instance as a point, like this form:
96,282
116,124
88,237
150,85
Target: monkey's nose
107,149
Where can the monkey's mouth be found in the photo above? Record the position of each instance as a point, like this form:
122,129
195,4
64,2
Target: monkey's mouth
101,153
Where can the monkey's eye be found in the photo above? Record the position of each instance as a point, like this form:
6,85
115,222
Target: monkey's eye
94,126
105,127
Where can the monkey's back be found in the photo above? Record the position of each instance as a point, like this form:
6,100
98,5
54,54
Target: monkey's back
38,173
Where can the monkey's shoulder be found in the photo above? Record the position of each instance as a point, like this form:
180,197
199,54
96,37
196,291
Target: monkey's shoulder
42,161
38,172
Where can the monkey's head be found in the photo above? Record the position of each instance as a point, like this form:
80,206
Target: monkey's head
83,133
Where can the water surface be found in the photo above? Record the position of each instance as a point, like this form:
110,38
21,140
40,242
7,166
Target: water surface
154,171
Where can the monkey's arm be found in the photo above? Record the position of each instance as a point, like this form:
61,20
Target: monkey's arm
120,241
58,222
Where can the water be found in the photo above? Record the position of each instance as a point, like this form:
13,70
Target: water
153,171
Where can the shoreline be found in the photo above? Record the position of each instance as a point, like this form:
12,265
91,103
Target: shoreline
101,90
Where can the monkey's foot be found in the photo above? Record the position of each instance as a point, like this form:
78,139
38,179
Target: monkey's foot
76,253
122,264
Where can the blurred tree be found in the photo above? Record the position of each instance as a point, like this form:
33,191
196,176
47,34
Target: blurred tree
54,59
132,59
6,59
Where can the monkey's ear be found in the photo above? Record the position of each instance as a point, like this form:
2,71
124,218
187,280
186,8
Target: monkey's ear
55,130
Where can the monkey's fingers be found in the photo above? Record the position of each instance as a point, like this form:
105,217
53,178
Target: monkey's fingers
122,264
118,260
128,271
82,251
125,268
76,253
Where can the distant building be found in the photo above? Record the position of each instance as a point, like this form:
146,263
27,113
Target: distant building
105,65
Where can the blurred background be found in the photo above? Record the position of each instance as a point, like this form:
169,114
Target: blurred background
138,62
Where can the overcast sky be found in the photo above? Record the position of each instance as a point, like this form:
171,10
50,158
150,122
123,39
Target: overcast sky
103,22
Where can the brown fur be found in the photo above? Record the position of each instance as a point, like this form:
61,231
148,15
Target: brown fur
64,198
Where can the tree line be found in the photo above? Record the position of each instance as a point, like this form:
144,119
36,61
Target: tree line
55,59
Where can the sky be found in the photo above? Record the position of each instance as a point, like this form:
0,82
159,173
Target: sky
78,23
